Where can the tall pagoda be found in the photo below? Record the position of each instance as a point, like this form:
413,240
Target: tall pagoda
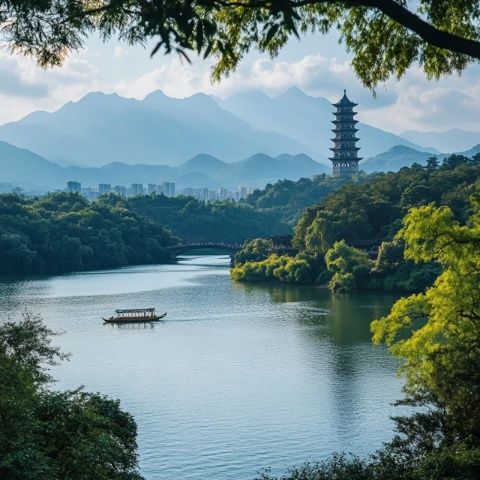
345,152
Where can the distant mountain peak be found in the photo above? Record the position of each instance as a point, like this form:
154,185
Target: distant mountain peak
295,91
401,149
204,160
98,95
201,99
156,94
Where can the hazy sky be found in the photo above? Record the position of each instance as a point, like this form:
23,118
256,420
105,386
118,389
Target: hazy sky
316,64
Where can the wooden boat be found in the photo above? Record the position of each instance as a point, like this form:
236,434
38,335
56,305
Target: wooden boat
135,315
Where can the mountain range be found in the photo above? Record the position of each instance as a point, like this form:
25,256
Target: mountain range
33,172
450,141
104,128
106,138
401,156
307,119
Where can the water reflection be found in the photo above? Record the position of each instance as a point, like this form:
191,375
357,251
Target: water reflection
346,316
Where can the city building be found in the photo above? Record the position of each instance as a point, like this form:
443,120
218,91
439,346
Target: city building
152,188
223,194
345,151
136,189
168,189
104,188
74,187
89,193
120,190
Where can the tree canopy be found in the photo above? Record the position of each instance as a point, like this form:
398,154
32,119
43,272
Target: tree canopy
437,333
56,435
385,37
365,213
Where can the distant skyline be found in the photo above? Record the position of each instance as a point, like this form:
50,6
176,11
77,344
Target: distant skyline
316,64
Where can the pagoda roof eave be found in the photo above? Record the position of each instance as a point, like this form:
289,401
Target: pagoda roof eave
354,139
345,149
343,159
345,104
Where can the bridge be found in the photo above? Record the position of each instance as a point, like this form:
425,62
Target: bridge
231,248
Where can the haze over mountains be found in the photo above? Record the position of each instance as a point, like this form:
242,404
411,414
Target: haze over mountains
33,172
101,129
307,119
450,141
160,130
249,138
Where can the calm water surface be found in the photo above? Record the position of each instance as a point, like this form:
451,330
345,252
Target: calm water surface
238,378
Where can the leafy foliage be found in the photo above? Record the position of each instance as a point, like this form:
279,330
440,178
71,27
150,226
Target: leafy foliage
193,220
62,232
56,435
369,211
349,265
287,199
384,36
282,268
437,333
254,250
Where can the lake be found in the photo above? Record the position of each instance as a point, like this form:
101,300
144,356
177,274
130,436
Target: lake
238,378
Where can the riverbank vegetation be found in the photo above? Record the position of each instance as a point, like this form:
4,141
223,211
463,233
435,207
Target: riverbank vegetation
436,337
221,221
52,434
63,232
369,212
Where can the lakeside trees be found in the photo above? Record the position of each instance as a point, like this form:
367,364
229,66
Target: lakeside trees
63,232
370,211
436,336
54,435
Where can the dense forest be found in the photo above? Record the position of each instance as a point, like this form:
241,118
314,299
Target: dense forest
221,221
63,232
287,199
370,212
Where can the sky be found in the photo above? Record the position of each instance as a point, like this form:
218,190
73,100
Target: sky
315,63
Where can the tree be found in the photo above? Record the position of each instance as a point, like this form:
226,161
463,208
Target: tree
257,249
56,435
384,36
350,267
437,333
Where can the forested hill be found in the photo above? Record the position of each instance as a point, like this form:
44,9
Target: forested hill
366,214
222,221
63,232
287,199
374,209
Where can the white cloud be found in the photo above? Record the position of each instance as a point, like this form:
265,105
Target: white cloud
411,103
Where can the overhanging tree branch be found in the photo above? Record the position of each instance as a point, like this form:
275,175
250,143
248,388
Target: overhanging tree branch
425,30
396,11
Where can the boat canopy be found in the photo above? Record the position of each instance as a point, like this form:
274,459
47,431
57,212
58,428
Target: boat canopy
135,310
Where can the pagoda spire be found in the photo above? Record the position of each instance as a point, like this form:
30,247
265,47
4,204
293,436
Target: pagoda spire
345,151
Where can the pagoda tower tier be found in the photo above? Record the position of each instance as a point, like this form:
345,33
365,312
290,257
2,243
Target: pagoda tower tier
345,151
